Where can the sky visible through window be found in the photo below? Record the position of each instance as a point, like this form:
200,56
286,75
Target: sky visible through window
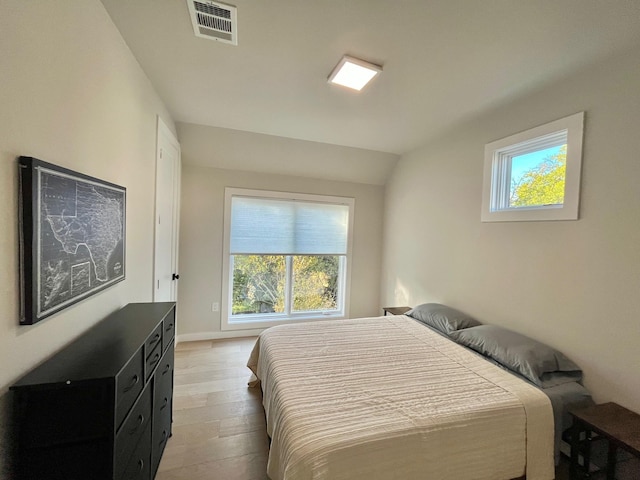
523,163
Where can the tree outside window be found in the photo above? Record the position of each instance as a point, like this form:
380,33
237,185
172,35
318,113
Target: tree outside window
543,184
260,283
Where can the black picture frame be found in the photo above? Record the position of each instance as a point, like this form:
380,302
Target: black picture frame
72,237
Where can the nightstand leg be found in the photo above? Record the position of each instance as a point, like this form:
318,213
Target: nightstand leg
586,454
611,461
575,446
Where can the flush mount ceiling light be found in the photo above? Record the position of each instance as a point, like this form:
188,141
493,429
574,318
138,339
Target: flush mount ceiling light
353,73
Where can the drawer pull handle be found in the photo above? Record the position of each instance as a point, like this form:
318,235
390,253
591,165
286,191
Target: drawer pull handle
155,339
166,369
141,464
164,405
164,437
169,327
156,359
140,422
134,381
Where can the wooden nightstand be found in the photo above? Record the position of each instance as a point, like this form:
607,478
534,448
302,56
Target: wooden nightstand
610,421
395,310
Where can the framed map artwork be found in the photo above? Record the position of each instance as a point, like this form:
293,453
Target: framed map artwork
72,237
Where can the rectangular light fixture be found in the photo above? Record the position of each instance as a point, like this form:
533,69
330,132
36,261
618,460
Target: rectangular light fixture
353,73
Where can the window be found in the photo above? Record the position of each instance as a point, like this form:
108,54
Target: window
534,175
286,257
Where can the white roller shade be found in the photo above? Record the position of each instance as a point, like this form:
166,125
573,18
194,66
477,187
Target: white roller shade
287,227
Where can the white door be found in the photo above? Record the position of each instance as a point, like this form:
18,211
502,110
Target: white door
165,285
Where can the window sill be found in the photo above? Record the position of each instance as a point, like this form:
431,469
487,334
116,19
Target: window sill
532,214
263,322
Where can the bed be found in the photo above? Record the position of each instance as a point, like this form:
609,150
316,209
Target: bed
390,397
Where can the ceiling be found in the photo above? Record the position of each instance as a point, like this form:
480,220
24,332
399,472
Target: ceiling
444,61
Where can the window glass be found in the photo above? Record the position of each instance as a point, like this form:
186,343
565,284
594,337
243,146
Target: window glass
258,284
538,178
315,282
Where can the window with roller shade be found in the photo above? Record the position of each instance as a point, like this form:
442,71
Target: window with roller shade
286,257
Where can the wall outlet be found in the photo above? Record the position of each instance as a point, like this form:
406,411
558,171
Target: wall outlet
215,307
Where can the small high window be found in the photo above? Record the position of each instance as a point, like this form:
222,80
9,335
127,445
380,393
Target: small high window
534,175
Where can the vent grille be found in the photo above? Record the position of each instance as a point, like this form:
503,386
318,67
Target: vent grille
212,9
214,20
214,23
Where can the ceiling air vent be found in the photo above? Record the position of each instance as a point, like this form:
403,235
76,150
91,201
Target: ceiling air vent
214,20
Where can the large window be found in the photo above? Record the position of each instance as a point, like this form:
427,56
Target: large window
534,175
286,257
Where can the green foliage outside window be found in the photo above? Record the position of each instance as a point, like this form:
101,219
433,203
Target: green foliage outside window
260,283
543,184
315,282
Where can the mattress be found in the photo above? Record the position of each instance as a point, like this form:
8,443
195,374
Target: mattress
385,397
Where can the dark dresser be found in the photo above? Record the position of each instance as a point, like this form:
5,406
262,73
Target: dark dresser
101,407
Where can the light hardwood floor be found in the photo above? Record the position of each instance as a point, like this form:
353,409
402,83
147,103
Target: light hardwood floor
218,423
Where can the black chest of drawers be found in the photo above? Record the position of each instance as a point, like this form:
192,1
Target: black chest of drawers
101,407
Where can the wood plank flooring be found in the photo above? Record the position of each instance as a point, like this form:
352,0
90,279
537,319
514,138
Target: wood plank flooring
219,429
218,422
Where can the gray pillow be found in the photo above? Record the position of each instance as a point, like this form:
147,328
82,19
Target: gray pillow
535,361
442,318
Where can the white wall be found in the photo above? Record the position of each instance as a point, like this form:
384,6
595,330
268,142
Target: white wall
574,284
255,152
201,237
71,93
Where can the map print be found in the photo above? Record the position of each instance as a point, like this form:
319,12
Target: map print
81,238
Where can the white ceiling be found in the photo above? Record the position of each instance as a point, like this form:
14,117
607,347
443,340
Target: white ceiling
444,61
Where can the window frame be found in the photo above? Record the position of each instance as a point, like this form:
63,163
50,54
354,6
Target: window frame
264,320
497,172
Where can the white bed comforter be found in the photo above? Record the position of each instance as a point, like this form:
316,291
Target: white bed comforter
387,398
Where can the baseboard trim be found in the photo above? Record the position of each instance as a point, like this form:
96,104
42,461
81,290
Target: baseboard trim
195,337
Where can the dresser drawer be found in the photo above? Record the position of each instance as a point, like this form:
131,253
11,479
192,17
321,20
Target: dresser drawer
163,381
139,466
40,428
163,386
129,384
153,360
132,429
162,407
153,340
169,326
161,433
